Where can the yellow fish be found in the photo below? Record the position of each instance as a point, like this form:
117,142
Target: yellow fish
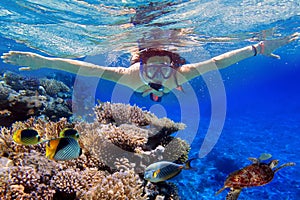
27,137
164,170
69,132
63,149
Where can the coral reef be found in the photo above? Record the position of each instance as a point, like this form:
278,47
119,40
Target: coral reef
117,147
22,97
121,114
54,87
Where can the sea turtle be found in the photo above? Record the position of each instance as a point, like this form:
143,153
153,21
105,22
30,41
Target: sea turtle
256,174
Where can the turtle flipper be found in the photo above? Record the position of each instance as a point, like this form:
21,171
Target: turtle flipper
254,160
285,165
233,194
220,190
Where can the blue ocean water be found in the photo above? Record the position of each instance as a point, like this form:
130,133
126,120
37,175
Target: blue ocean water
262,94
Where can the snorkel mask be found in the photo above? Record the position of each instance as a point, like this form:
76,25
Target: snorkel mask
155,71
157,68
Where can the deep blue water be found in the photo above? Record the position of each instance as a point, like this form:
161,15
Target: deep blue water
262,106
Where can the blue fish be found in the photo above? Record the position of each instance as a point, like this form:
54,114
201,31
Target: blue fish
164,170
63,149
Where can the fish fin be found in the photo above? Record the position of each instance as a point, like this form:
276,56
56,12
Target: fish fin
16,137
43,140
51,148
80,152
39,139
233,194
187,164
155,173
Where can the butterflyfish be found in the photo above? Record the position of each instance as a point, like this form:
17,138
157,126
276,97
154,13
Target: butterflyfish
27,137
63,149
69,132
164,170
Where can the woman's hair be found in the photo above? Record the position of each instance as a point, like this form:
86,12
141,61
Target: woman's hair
143,55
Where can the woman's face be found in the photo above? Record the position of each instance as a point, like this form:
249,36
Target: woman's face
157,69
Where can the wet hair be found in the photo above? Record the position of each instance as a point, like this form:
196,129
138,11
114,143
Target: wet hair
143,55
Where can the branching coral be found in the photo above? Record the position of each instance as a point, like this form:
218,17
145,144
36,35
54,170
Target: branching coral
119,136
119,185
115,154
53,87
25,183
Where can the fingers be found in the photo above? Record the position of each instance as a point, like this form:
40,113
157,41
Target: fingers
24,69
294,37
6,58
18,58
9,57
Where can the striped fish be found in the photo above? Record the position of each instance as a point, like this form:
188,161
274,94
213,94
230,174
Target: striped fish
26,137
164,170
63,149
69,132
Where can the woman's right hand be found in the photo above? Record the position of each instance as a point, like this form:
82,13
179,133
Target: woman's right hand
30,61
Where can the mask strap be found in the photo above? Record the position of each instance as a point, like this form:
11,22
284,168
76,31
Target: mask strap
141,72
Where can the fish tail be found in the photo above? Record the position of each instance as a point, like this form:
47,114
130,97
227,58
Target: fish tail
43,141
187,164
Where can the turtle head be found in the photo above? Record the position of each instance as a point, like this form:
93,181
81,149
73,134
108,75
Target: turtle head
273,163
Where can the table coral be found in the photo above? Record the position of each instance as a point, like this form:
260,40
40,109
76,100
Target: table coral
115,154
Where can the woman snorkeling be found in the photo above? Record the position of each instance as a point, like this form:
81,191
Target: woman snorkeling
153,71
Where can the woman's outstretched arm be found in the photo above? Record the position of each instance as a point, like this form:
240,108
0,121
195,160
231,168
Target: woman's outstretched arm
33,61
266,48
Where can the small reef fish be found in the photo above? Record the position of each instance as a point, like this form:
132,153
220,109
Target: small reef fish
63,149
27,137
69,132
164,170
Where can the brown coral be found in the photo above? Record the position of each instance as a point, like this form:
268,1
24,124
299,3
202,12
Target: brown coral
119,136
118,186
24,183
114,156
119,113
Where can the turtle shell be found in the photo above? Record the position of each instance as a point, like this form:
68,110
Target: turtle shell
249,176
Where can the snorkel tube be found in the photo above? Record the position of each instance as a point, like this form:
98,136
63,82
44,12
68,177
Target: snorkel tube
156,86
176,62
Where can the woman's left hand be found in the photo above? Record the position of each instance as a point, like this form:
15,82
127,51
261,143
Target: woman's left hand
268,46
